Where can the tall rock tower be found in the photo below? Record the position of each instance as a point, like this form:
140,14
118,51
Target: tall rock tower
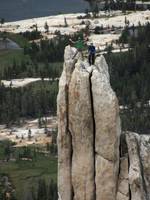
88,131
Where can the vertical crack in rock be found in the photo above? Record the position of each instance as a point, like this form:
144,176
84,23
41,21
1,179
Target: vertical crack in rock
64,145
94,133
136,176
120,154
88,132
145,193
123,183
107,132
69,135
64,139
130,194
71,155
81,127
67,114
89,165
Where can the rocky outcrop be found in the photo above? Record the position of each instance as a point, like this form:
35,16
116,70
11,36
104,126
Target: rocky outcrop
134,176
81,131
95,161
139,167
144,154
88,132
64,137
107,132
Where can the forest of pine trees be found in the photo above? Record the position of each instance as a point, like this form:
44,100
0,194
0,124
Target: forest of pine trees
35,100
130,72
38,60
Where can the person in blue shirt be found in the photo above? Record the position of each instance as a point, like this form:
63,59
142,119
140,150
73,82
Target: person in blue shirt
92,52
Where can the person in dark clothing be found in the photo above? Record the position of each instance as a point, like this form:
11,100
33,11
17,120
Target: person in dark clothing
92,51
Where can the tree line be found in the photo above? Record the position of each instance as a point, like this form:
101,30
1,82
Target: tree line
27,68
34,100
107,5
130,72
44,191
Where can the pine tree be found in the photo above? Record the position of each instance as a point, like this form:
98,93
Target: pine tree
2,21
65,22
46,27
42,190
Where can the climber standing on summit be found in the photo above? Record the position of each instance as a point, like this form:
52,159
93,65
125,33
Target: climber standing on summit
91,51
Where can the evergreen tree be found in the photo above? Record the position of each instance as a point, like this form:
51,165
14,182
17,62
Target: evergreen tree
2,21
46,27
65,22
42,190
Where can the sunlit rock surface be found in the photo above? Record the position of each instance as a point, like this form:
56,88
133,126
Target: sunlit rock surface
89,130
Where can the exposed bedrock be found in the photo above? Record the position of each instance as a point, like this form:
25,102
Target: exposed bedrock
88,131
96,161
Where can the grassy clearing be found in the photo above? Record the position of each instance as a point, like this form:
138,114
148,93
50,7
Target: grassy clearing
8,56
25,174
21,63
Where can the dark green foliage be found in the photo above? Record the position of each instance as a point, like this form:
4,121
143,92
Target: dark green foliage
18,38
2,21
6,149
50,50
29,164
52,191
36,60
46,27
32,35
122,5
42,190
52,148
26,68
48,192
35,99
98,29
130,74
45,191
26,152
95,11
28,101
136,119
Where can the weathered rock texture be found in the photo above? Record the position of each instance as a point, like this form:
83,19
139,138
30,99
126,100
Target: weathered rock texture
139,168
134,176
64,137
88,132
95,161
